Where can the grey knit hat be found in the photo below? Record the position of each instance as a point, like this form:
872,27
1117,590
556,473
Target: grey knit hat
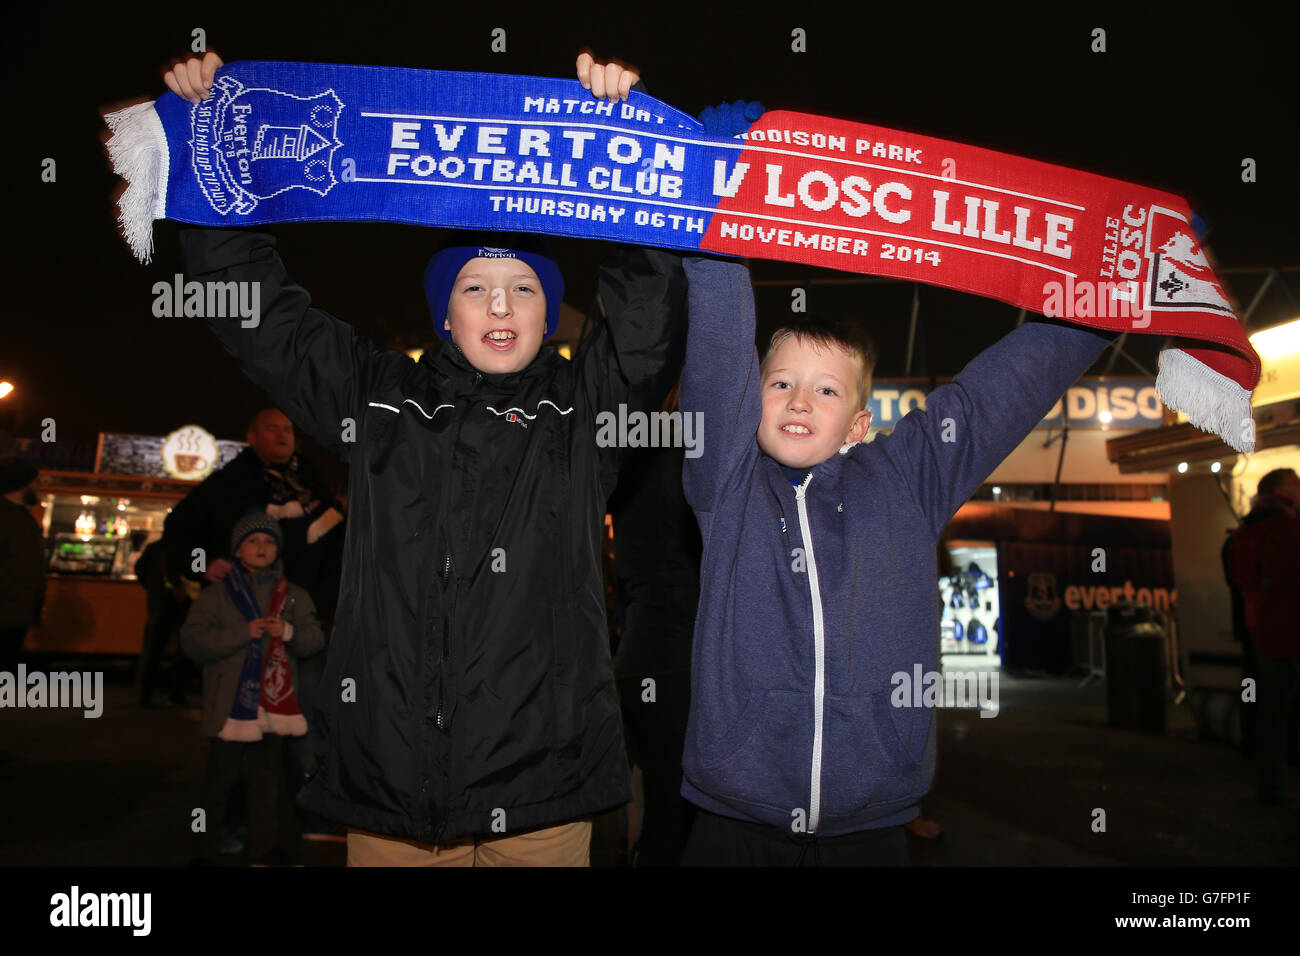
252,523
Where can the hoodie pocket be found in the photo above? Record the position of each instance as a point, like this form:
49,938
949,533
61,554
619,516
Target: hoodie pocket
865,761
766,759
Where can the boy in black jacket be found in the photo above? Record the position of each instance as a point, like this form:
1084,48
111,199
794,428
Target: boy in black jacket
468,708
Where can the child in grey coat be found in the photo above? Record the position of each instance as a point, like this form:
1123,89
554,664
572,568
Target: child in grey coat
248,701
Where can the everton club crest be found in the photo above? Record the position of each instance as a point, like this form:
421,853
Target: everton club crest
251,144
1042,601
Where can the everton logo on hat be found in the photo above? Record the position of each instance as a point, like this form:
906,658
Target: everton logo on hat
440,274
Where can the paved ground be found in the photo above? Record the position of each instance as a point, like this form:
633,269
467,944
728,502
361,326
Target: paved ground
1022,788
1016,790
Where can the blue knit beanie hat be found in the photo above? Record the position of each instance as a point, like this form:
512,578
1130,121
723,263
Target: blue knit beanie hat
440,275
252,523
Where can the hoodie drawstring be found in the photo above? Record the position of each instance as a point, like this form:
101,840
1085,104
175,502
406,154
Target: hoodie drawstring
810,840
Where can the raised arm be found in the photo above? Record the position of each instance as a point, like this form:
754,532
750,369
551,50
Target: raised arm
969,426
312,366
720,380
634,356
309,363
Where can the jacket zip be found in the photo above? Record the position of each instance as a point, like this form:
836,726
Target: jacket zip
819,656
446,649
441,717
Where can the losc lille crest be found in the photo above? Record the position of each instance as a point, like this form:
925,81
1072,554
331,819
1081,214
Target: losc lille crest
1043,602
1179,274
252,144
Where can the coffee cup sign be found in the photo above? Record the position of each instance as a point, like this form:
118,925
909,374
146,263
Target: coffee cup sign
189,453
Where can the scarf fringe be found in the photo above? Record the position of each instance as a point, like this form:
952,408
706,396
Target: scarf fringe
1211,401
138,152
251,731
240,731
323,525
288,725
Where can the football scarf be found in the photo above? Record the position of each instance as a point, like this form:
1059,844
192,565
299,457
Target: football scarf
264,700
280,142
292,497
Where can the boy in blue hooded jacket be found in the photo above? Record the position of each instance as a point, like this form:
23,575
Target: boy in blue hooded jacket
817,580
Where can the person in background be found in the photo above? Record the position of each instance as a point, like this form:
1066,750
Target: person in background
657,555
922,827
1240,635
1264,563
269,475
22,558
249,633
168,603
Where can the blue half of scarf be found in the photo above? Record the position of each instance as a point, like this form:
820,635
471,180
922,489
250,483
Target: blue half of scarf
279,142
250,678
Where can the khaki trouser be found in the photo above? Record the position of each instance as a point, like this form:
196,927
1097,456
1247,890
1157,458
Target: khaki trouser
566,845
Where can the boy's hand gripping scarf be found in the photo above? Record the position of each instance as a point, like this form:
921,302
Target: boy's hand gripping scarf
265,700
278,142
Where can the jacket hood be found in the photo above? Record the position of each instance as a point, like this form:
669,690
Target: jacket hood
824,473
451,366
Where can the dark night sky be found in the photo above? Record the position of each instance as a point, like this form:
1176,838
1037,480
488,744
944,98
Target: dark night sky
1176,103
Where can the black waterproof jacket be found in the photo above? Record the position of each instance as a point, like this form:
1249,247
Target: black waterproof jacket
468,687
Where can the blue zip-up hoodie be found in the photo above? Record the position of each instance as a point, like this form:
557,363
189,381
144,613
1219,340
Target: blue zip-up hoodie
812,597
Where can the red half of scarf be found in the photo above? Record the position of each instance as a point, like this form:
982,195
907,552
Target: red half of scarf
1085,248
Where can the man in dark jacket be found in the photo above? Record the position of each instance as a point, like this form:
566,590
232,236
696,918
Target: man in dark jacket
1249,671
269,474
1264,561
468,695
22,558
167,605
